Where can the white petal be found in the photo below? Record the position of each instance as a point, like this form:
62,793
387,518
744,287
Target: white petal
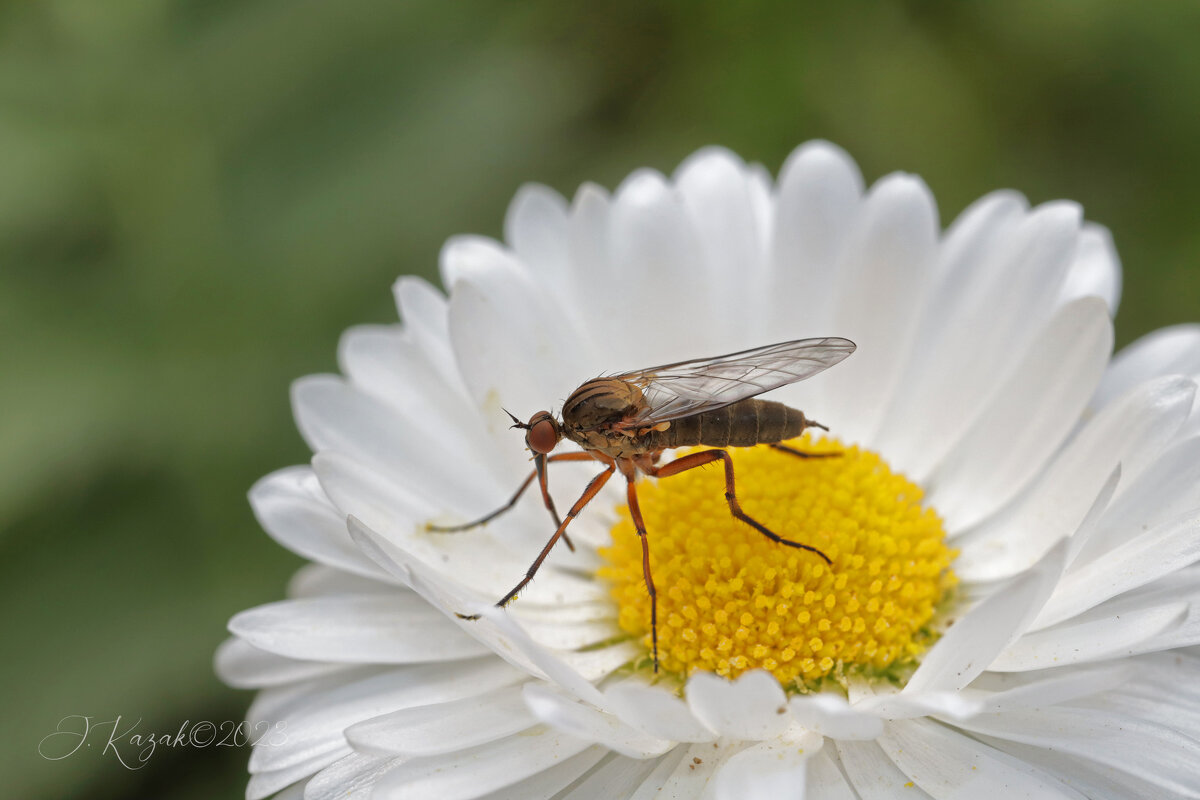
766,771
494,627
476,771
595,292
994,309
881,284
1166,678
686,773
830,715
1151,555
1096,270
292,508
761,187
423,310
874,775
820,190
753,707
518,643
244,666
910,432
1191,428
318,580
267,782
1139,747
1028,418
436,728
1004,691
356,487
715,191
948,764
1086,639
488,560
397,628
536,229
1131,433
616,777
514,347
654,246
1136,427
971,644
977,546
1174,349
1167,489
349,777
334,416
561,634
294,792
275,702
910,705
313,725
971,240
1179,589
656,711
591,724
422,306
388,364
1174,710
825,778
1093,779
549,782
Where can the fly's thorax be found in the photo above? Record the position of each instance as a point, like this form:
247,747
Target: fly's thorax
599,403
612,443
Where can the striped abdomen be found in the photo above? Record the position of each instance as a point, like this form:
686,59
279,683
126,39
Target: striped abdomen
742,424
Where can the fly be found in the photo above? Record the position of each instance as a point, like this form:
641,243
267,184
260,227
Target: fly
626,422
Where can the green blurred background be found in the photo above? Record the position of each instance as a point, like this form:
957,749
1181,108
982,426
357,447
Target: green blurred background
197,196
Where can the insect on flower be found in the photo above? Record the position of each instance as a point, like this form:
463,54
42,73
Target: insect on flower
626,422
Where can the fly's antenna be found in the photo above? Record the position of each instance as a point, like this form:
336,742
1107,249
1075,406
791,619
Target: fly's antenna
516,422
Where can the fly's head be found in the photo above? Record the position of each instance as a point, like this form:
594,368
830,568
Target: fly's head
542,432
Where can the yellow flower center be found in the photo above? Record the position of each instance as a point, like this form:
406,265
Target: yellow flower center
731,600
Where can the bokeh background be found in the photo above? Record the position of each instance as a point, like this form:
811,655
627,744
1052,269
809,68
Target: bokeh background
197,196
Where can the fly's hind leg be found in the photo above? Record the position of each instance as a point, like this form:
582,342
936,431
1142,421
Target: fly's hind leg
783,448
707,457
539,472
808,423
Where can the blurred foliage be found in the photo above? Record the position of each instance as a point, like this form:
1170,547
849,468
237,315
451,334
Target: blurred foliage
197,196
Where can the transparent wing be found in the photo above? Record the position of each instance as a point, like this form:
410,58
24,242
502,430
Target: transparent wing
705,384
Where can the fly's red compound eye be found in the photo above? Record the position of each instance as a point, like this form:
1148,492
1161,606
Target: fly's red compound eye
543,434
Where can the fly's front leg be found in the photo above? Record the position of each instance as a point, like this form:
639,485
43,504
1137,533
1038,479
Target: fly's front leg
591,491
735,508
635,512
539,472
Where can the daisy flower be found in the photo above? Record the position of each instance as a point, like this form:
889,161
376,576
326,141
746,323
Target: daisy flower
1012,518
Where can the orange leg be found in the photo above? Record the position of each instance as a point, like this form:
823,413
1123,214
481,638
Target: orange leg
635,512
707,457
591,491
539,472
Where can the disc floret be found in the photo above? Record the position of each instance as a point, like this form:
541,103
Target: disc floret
731,601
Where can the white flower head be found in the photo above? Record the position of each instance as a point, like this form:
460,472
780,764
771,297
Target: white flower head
1013,520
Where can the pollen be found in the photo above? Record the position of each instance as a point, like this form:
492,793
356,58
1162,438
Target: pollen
731,600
